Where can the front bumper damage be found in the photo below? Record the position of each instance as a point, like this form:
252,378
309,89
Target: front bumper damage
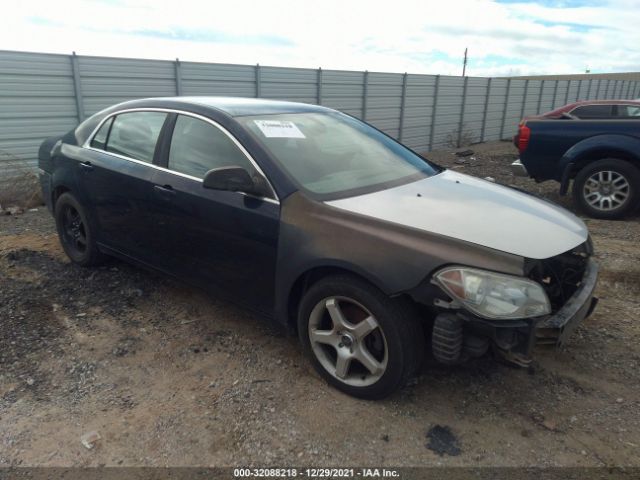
557,328
458,335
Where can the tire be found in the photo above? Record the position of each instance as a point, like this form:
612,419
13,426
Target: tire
384,332
76,232
608,189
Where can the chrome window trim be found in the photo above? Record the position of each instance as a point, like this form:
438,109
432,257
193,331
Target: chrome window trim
87,145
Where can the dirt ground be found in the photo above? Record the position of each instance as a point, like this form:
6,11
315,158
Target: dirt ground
169,376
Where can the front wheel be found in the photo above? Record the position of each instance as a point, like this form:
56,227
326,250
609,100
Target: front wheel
357,338
607,189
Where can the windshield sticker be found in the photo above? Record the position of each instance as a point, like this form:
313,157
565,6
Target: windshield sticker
279,129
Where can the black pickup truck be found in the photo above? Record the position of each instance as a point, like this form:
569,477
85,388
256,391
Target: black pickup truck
602,157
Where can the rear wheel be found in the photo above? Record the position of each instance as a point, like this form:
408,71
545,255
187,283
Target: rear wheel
607,189
357,338
76,233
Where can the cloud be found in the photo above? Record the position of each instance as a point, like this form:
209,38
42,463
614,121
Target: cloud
503,37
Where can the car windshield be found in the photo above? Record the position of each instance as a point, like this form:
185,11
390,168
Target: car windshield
334,154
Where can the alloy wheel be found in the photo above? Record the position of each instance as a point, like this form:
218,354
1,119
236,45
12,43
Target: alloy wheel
347,341
606,190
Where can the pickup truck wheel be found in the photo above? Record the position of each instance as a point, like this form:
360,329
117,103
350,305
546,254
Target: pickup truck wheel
75,232
357,338
607,189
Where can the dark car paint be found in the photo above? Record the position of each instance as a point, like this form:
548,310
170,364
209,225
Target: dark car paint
316,235
255,250
554,145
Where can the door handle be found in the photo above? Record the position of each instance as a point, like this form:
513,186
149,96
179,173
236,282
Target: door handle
86,166
164,190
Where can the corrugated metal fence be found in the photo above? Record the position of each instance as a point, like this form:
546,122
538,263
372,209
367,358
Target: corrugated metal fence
44,94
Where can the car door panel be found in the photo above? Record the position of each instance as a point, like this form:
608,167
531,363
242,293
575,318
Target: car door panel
120,197
118,186
224,241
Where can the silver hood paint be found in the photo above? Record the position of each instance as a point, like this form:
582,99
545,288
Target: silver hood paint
476,211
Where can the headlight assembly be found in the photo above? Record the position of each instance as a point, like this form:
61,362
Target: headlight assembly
494,295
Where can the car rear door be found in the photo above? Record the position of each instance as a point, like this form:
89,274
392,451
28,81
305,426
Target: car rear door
117,179
221,240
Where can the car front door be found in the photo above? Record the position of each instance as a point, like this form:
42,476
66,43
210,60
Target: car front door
116,175
225,241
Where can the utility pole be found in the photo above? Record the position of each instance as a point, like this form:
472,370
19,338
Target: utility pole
464,64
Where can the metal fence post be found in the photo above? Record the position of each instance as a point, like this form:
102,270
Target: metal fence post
365,91
606,90
524,98
258,81
579,90
589,89
77,87
598,89
540,97
319,97
486,107
403,101
504,110
555,94
462,107
178,74
566,96
432,127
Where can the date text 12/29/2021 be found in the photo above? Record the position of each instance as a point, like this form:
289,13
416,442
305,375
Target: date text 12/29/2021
315,473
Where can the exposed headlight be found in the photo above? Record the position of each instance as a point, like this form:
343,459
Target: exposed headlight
494,295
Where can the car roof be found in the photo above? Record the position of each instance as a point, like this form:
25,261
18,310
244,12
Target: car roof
235,106
581,103
570,106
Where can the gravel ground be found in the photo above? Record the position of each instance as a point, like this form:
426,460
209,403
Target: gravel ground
169,376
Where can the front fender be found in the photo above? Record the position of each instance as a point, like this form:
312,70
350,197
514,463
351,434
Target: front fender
392,257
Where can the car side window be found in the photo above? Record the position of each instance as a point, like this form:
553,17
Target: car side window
100,138
592,111
197,147
628,111
135,134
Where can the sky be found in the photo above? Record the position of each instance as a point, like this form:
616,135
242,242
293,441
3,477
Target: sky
504,37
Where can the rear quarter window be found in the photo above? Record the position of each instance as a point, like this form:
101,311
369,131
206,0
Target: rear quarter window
100,138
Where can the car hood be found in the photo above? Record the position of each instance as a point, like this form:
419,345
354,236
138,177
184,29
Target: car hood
476,211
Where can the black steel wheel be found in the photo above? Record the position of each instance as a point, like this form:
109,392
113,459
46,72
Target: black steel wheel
75,232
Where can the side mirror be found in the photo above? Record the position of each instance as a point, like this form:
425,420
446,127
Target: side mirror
235,179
